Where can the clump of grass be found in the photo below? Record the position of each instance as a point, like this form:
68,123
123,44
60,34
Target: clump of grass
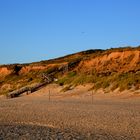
67,88
76,79
71,74
103,82
67,79
83,79
62,81
127,80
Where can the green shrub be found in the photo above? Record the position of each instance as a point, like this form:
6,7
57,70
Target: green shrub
71,74
62,81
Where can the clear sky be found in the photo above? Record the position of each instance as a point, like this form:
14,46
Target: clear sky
34,30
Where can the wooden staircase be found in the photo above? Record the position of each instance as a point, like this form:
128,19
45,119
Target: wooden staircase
47,79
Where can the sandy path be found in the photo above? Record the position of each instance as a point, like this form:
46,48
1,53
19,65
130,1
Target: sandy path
76,117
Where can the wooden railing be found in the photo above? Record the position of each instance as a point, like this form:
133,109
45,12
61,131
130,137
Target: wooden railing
28,90
16,93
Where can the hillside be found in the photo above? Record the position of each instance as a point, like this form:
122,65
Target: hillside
112,69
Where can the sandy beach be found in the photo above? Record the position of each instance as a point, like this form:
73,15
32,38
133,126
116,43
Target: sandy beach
75,114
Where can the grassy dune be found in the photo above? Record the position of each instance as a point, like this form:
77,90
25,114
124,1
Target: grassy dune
112,68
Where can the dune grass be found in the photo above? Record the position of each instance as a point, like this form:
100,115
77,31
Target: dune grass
122,81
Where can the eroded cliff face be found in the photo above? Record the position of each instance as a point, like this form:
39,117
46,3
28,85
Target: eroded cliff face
94,62
126,61
27,69
119,61
4,71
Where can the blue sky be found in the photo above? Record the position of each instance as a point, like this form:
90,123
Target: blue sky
34,30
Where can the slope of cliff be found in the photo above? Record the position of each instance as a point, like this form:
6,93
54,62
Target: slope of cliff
113,68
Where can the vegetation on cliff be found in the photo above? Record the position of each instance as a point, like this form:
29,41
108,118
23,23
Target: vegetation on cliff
113,68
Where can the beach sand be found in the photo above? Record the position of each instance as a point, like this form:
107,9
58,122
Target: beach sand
76,114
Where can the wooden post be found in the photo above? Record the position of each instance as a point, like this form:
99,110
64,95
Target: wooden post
92,96
49,95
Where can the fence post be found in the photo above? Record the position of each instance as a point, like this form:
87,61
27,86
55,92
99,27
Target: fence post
49,95
92,96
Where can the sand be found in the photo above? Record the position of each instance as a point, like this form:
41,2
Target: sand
71,115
